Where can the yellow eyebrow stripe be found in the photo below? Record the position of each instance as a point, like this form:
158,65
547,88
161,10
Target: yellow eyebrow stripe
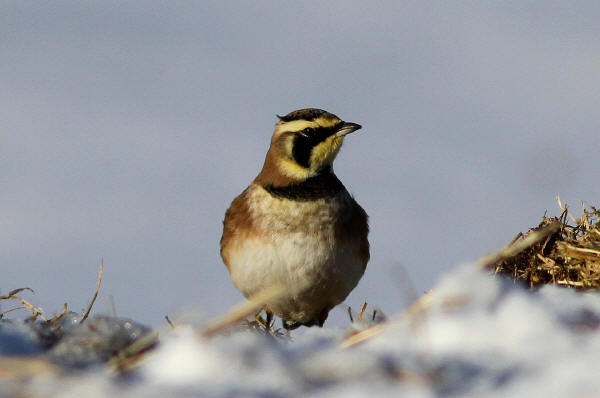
299,125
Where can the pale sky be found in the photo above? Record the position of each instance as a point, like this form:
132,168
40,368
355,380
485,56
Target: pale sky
128,128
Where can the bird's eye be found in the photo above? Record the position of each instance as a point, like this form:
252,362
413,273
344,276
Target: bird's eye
308,131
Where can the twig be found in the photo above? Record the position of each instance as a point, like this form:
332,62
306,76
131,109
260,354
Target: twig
362,311
100,272
531,239
35,311
59,316
129,357
11,310
422,302
242,310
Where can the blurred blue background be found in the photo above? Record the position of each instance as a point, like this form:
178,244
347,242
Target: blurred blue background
128,127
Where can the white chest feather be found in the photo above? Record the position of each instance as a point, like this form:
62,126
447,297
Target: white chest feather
296,245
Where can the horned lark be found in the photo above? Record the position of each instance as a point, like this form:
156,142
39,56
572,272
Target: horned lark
296,225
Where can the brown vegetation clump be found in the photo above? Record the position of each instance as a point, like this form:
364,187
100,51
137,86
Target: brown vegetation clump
561,250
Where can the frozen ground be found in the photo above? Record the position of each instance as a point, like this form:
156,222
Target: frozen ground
479,337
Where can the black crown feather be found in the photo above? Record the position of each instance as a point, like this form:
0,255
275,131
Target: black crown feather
308,114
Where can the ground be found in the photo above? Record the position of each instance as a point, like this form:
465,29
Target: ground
476,335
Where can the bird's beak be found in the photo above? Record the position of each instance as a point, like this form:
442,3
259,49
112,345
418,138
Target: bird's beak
347,128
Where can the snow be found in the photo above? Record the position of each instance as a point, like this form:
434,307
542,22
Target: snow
479,336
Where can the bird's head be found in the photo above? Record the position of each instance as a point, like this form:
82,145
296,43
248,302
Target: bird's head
306,142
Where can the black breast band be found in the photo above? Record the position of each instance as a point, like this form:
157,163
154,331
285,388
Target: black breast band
317,187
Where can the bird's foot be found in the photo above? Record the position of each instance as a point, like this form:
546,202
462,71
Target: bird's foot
266,322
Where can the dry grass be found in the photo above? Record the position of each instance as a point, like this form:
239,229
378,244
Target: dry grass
237,315
12,295
20,369
561,250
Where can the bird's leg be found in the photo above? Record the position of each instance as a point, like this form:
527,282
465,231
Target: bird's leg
266,322
259,319
269,320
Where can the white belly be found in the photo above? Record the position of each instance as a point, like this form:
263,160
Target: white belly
295,246
326,273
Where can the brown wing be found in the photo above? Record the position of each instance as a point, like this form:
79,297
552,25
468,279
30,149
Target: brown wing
236,225
355,230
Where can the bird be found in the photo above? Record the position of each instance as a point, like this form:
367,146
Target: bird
296,225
